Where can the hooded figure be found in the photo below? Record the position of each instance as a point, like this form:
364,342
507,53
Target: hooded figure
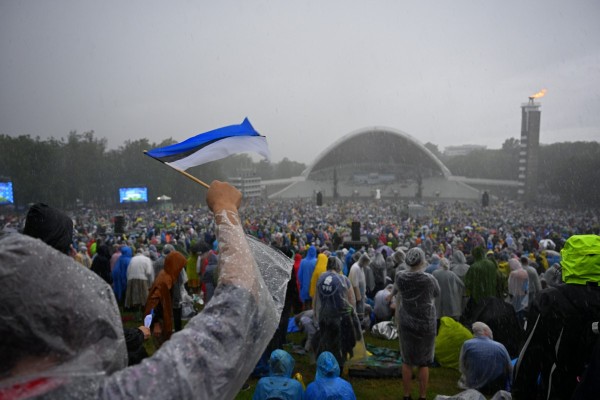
50,225
327,384
279,384
160,296
50,321
449,302
459,265
415,293
307,267
101,263
481,278
320,267
518,282
560,328
119,273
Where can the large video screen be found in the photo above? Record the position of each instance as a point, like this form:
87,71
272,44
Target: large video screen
133,195
6,193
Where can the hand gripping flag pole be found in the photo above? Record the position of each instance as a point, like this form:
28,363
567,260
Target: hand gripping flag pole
211,146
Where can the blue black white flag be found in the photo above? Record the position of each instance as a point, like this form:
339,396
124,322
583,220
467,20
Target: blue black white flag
212,146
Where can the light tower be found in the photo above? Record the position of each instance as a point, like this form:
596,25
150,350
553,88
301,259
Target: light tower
529,151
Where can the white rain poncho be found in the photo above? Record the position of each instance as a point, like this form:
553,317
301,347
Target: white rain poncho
73,314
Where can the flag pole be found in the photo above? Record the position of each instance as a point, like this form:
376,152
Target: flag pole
182,172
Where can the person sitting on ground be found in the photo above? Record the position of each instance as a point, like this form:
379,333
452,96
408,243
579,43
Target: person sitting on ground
384,304
71,345
484,363
279,384
327,383
305,321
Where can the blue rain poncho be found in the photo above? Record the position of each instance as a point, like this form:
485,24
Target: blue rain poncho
305,272
279,384
327,384
68,319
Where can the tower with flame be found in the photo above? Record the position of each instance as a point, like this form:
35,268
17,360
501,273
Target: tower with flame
530,144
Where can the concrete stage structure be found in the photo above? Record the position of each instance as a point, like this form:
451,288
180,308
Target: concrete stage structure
377,162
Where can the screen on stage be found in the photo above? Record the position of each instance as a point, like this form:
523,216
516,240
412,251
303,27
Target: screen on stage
133,195
6,193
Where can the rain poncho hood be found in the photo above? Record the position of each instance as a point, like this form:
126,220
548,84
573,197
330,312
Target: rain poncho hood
320,267
50,225
281,363
52,307
327,366
279,384
581,259
327,384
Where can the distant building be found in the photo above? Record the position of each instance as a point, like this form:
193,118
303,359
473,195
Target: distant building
453,151
528,154
247,183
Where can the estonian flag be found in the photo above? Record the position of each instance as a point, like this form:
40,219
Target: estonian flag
213,145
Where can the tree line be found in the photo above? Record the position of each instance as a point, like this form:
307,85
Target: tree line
79,170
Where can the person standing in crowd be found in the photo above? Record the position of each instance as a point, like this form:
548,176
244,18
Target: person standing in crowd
333,310
159,263
320,268
279,384
140,276
101,263
378,267
210,275
484,363
415,293
518,282
560,329
449,302
119,273
116,254
395,263
481,278
459,265
534,285
52,354
359,283
50,225
305,272
82,256
160,298
327,383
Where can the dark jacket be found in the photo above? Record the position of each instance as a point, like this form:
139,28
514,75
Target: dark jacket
559,342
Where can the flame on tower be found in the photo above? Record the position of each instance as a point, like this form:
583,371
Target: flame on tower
539,94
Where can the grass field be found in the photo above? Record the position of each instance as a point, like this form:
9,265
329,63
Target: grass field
441,380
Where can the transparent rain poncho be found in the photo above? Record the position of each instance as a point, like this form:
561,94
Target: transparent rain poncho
56,313
210,358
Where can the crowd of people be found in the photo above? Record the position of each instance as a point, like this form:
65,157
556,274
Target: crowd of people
456,260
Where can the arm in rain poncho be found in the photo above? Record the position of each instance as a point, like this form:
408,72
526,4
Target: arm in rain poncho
212,357
71,344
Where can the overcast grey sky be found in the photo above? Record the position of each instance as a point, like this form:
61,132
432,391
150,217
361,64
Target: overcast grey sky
304,72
